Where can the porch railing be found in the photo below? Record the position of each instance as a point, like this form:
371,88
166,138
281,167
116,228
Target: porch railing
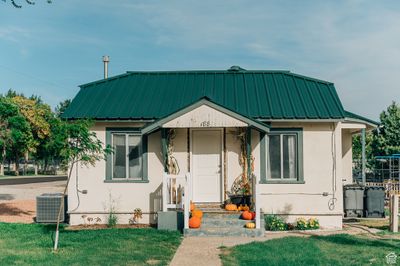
176,194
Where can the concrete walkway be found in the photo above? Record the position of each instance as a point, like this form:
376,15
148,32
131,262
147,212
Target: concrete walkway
204,251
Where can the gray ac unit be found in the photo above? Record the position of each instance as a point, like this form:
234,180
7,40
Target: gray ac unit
47,207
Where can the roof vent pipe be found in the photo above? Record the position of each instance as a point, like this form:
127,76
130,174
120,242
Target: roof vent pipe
106,59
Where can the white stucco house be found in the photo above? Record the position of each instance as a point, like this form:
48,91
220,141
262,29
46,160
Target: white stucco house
288,133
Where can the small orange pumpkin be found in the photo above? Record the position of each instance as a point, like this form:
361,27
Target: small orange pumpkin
197,213
250,225
194,222
245,208
246,215
231,207
192,206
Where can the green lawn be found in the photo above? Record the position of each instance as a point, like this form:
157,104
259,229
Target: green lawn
31,244
316,250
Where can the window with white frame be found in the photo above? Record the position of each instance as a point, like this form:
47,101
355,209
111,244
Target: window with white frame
127,156
284,155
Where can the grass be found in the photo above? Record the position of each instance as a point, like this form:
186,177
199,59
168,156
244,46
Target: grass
31,244
316,250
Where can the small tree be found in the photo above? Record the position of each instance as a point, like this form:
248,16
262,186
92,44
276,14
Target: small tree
82,146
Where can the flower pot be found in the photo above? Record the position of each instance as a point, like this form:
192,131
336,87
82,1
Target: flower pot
241,199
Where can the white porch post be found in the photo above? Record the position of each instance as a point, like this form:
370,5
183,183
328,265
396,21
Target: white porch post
187,197
256,203
164,192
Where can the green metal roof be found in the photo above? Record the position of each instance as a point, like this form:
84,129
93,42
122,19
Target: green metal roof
353,116
254,94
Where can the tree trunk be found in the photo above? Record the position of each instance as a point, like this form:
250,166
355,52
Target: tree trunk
36,168
46,164
3,160
26,158
16,166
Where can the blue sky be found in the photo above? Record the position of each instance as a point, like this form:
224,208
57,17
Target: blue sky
50,49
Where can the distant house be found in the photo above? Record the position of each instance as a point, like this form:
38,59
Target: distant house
287,133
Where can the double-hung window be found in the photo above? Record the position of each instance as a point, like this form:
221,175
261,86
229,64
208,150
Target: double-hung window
284,156
127,161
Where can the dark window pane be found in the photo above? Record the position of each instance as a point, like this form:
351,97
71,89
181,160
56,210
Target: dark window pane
289,156
119,156
135,157
274,156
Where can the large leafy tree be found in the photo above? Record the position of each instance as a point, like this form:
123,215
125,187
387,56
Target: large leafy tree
61,107
8,110
21,138
387,140
38,115
383,141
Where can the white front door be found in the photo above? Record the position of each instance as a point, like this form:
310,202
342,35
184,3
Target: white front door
206,165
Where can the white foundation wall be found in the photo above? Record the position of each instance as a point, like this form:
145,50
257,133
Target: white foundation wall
125,197
320,141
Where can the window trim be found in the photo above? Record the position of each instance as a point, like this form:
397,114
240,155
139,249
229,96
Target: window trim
109,168
264,150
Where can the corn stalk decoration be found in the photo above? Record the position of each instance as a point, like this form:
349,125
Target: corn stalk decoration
242,183
172,163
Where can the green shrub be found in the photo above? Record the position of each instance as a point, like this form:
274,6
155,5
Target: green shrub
301,224
274,223
313,223
112,219
310,224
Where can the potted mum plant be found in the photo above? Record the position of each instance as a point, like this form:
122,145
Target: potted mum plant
241,193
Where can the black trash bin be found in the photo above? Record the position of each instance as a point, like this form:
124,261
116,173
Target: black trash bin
353,200
374,204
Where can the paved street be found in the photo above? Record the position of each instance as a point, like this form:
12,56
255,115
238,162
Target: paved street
18,202
29,191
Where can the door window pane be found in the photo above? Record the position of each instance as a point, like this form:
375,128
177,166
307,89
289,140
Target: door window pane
119,156
134,155
275,156
289,156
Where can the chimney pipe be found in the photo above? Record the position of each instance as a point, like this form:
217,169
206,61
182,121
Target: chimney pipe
106,59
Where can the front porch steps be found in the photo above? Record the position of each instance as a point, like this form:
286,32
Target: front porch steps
219,222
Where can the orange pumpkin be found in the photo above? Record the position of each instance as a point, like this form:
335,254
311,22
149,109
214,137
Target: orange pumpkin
197,213
231,207
192,206
194,222
245,208
246,215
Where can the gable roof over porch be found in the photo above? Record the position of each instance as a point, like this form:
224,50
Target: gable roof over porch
205,113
